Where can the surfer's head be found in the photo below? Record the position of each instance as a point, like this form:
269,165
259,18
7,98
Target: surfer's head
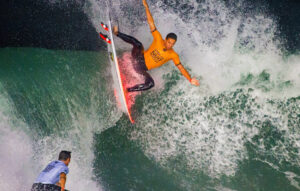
170,40
65,156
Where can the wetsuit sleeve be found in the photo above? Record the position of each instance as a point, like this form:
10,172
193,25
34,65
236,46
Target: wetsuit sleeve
156,35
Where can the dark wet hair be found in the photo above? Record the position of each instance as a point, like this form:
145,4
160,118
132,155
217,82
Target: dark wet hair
172,36
64,155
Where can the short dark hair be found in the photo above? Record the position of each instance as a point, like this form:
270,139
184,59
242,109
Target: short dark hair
172,36
64,155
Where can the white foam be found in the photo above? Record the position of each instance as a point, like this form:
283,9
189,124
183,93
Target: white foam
206,141
16,164
17,169
291,176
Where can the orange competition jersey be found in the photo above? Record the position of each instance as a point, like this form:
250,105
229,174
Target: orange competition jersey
155,56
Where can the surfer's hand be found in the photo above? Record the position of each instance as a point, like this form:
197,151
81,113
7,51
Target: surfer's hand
195,82
145,3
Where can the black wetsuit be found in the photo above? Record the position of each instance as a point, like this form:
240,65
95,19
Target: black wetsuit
140,66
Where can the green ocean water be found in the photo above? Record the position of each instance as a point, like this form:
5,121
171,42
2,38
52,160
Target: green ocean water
51,84
243,138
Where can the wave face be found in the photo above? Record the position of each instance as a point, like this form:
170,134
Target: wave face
238,131
47,24
52,101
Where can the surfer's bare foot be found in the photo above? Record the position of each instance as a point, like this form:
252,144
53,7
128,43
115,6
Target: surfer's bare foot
116,30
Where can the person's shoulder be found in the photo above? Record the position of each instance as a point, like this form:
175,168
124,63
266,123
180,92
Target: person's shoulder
60,163
155,31
156,34
54,162
174,53
64,168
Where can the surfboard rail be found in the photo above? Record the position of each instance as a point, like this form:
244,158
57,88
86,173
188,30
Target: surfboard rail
114,61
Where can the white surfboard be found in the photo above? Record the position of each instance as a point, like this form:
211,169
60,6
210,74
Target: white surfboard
119,83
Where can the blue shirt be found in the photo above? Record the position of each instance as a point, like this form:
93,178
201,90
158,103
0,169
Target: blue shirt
50,175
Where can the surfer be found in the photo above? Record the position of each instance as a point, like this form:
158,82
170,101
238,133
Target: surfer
159,52
54,176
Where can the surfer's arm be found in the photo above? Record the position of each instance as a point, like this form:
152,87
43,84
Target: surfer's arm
149,17
185,73
62,181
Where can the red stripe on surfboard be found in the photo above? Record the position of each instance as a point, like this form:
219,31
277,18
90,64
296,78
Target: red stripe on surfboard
105,38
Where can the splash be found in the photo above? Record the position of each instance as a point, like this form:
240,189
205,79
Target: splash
17,170
16,151
221,44
245,78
